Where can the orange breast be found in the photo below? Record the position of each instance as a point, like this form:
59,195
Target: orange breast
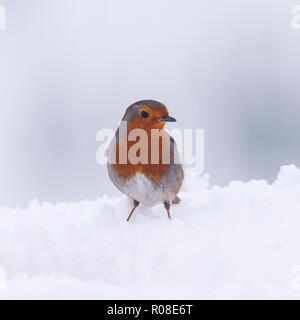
153,172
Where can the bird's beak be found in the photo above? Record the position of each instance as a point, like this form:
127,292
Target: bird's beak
167,119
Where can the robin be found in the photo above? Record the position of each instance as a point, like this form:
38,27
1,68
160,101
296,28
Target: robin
150,180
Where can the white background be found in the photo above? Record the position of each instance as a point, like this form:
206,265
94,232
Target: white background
70,67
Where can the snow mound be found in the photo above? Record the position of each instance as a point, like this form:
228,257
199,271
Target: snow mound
239,241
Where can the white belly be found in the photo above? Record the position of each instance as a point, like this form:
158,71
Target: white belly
144,190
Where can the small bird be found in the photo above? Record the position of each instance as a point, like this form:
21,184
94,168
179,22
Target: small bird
147,183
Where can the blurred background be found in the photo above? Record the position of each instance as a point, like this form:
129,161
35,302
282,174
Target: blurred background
70,67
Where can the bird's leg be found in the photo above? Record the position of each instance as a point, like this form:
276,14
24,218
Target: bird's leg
176,200
135,205
167,206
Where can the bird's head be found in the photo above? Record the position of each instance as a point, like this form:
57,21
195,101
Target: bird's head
147,114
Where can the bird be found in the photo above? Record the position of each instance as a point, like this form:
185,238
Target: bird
146,182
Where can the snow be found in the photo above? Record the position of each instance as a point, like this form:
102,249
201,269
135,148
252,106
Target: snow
239,241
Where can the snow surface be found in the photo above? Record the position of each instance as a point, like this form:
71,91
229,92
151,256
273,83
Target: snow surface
239,241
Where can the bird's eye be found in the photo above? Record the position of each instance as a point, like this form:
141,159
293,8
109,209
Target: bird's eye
144,114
